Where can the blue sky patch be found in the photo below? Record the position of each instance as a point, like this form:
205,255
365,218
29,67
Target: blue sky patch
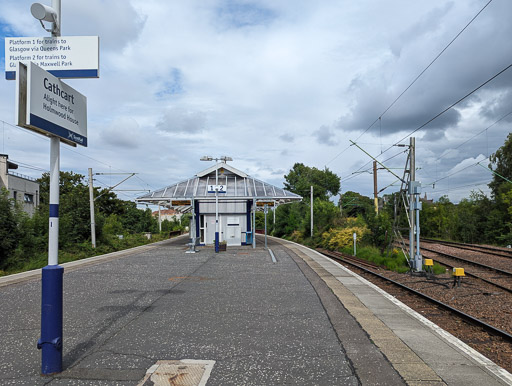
236,14
173,85
5,31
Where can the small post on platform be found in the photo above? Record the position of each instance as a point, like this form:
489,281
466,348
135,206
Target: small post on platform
254,223
91,205
265,210
159,218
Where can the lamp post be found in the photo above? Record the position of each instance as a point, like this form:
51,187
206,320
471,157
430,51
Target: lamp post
224,159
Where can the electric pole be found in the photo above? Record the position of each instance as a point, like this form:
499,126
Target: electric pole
375,193
311,211
412,174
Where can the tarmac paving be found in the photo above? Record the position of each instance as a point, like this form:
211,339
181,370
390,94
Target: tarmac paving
239,317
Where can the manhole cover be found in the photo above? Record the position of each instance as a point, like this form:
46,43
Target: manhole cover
186,372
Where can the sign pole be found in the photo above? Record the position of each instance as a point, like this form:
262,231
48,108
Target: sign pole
217,210
52,275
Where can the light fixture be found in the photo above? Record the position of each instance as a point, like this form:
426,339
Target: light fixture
45,13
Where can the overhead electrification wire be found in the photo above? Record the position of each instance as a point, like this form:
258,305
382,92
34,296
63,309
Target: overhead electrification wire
457,172
426,68
442,112
67,148
457,187
369,169
414,81
28,166
456,103
476,135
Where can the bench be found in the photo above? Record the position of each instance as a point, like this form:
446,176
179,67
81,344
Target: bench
174,233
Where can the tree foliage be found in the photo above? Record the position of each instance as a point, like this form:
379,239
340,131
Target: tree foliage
24,239
9,231
300,179
501,164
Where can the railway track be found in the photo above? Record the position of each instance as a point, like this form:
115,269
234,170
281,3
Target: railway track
473,247
491,330
486,273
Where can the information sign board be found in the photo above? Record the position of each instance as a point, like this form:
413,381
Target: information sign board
181,202
217,188
263,203
48,106
63,56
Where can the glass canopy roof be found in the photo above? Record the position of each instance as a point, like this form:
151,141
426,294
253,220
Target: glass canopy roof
238,185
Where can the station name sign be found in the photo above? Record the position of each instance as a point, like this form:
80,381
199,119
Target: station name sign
48,106
63,56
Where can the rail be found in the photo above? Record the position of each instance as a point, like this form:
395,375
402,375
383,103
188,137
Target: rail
490,329
473,247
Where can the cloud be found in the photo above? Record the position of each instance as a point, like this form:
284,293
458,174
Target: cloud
123,132
324,135
115,21
184,121
287,137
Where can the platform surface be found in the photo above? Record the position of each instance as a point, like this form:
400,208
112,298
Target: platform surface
244,318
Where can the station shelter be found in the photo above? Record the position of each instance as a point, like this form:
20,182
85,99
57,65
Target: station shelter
236,195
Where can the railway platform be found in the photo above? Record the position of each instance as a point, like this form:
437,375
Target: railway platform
158,315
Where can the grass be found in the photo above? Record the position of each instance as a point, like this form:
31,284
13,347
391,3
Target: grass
396,261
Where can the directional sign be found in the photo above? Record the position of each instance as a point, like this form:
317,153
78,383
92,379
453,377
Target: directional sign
63,56
49,106
181,202
217,188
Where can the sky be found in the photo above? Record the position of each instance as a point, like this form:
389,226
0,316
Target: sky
273,83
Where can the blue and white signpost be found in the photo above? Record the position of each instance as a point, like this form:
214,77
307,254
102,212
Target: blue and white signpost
216,189
46,105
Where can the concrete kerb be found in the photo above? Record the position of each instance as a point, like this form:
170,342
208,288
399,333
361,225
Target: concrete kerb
35,274
484,362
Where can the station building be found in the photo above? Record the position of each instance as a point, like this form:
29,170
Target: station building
23,189
238,196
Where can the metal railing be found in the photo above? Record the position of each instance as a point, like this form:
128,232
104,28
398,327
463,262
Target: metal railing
22,176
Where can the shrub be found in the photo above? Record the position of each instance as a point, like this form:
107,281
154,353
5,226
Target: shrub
338,238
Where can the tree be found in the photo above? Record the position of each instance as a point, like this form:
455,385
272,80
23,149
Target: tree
9,232
501,164
300,179
290,218
74,214
353,204
501,188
